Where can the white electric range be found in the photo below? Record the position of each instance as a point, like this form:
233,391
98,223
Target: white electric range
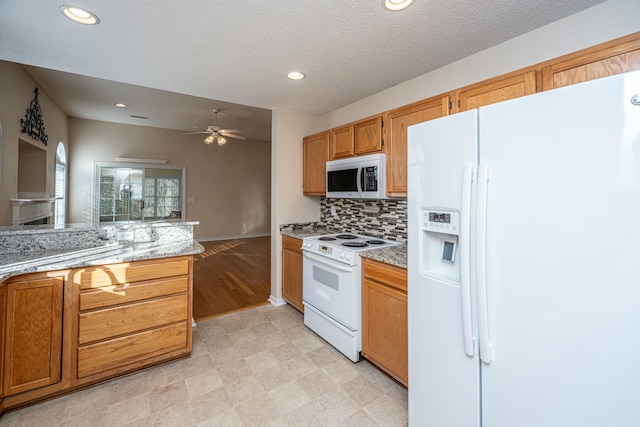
332,287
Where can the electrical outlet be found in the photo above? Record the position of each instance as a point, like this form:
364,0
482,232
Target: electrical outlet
333,211
191,199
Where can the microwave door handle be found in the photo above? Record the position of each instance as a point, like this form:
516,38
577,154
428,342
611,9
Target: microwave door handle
360,179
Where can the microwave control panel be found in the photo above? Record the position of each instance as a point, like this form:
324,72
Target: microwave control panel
446,222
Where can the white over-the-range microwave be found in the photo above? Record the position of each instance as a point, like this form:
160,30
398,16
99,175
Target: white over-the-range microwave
361,177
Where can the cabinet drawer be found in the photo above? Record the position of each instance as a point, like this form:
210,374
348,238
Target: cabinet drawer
111,322
126,293
118,274
292,244
387,274
119,352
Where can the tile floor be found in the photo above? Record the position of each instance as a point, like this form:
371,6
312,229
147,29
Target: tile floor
259,367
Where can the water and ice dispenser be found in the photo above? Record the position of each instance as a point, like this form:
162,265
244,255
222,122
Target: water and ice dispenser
439,245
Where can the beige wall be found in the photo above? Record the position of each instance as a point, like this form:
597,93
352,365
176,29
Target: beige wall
16,93
612,19
289,205
230,184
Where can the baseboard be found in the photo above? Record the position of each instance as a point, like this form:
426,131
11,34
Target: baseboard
244,236
278,302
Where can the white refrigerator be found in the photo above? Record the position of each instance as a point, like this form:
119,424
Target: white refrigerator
524,261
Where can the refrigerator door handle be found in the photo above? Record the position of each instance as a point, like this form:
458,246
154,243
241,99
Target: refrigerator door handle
465,279
484,175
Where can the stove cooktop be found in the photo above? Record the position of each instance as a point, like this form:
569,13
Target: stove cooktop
343,247
349,241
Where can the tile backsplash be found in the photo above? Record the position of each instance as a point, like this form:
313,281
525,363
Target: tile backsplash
386,219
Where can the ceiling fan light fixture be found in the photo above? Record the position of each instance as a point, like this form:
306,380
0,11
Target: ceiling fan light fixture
209,140
79,15
295,75
396,5
221,141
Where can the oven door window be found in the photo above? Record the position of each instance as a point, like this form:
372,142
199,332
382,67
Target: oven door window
332,290
342,180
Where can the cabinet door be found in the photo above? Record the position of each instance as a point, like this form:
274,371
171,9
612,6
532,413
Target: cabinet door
341,144
292,272
497,90
384,328
315,154
397,121
3,310
592,63
33,335
367,136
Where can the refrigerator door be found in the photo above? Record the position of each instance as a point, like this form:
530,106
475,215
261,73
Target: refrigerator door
443,362
563,257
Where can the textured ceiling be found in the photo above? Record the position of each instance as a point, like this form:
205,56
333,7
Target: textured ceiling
238,52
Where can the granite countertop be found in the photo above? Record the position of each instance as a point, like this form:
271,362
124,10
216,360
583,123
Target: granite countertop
38,261
394,255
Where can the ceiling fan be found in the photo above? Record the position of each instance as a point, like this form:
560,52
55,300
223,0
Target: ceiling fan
218,134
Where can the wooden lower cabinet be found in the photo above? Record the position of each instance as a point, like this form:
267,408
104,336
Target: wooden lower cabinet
33,334
131,315
292,272
67,329
384,318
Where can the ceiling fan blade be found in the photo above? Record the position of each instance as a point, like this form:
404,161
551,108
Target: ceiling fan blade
229,130
194,133
230,135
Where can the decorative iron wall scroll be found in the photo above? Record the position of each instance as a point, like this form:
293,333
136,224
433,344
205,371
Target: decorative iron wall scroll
32,124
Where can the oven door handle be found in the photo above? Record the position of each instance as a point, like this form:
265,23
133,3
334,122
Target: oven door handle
324,261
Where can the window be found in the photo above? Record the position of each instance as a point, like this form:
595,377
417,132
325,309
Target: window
138,193
60,185
162,195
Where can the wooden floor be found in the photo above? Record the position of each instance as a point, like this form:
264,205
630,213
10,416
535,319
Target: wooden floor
231,275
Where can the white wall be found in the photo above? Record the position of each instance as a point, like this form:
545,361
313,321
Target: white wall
231,184
288,204
607,21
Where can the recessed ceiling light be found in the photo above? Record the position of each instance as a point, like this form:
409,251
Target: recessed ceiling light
80,15
396,5
120,105
295,75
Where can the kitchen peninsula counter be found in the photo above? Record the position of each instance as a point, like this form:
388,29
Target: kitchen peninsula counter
41,261
82,304
30,249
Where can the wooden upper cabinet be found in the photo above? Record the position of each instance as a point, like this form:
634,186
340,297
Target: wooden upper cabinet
367,136
608,59
315,154
33,335
496,90
341,144
355,139
397,121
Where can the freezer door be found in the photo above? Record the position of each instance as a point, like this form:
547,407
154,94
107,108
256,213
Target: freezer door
563,257
443,362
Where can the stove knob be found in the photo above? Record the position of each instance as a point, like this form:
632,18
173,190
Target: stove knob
341,255
348,257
